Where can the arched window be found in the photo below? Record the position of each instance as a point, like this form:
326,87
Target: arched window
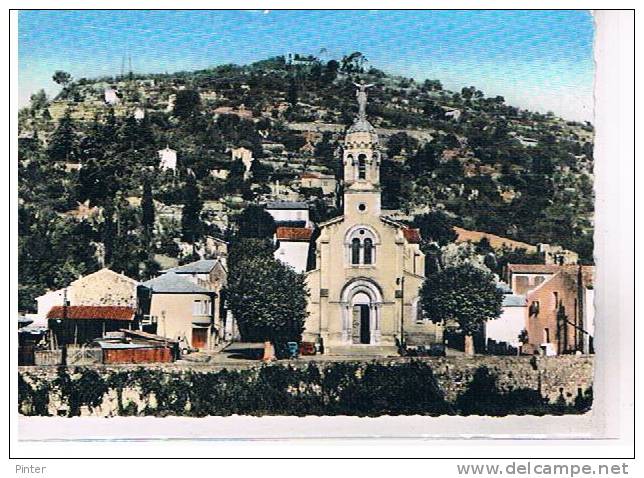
362,167
368,251
355,251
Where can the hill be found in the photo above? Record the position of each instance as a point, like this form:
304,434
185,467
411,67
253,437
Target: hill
488,166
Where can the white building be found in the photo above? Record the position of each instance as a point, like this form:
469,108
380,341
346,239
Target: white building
139,113
293,246
111,96
246,156
289,212
167,158
507,328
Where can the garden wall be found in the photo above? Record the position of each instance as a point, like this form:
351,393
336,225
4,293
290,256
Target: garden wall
431,386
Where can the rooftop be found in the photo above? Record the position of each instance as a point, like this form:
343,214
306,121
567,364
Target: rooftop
91,312
172,283
287,205
203,266
299,234
412,235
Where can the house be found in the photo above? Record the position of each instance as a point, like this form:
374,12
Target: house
293,245
102,288
246,157
167,159
293,213
326,182
82,324
502,334
139,113
560,310
365,284
179,308
111,96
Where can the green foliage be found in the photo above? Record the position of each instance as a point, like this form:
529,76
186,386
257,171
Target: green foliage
191,225
435,227
463,295
61,77
187,104
267,298
331,388
255,223
64,142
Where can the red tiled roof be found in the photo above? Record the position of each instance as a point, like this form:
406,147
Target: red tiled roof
308,176
294,234
96,312
412,235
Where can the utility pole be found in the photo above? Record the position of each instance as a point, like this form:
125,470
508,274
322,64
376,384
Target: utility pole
402,315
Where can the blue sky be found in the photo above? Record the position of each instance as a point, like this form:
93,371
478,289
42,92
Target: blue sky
541,60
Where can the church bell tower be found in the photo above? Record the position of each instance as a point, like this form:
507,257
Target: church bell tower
361,160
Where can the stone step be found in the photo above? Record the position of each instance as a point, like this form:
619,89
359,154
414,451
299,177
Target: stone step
360,350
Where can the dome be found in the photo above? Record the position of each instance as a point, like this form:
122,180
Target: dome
361,125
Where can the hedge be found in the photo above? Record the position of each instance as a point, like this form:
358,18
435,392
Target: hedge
342,388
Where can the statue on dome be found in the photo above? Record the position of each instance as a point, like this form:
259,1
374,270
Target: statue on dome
361,94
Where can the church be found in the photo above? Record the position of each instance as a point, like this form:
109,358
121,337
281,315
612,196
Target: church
365,284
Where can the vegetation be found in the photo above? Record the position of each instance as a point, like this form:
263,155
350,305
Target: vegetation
477,172
267,297
462,296
342,388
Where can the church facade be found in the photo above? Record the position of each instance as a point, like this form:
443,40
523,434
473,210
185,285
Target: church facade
364,289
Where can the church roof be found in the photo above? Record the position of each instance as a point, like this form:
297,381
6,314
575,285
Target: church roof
361,125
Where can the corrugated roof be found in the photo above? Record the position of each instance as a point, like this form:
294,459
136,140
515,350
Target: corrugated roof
302,234
287,205
514,300
203,266
92,312
171,283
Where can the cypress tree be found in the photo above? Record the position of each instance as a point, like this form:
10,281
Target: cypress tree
191,227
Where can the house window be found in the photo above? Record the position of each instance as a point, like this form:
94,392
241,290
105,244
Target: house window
534,307
201,307
546,335
556,297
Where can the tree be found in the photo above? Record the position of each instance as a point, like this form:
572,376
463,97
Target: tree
62,77
268,299
63,145
436,227
187,104
147,207
191,225
463,296
255,223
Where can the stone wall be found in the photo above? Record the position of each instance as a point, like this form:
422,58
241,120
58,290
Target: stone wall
555,377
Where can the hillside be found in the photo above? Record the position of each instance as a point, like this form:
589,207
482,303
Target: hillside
487,165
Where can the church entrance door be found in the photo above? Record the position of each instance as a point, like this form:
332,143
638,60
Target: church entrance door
365,332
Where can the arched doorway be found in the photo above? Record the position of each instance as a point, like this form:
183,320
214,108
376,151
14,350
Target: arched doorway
361,315
361,303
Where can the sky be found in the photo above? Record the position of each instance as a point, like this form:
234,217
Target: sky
540,60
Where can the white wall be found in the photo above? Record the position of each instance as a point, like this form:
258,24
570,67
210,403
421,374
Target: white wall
507,327
294,254
289,215
45,303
